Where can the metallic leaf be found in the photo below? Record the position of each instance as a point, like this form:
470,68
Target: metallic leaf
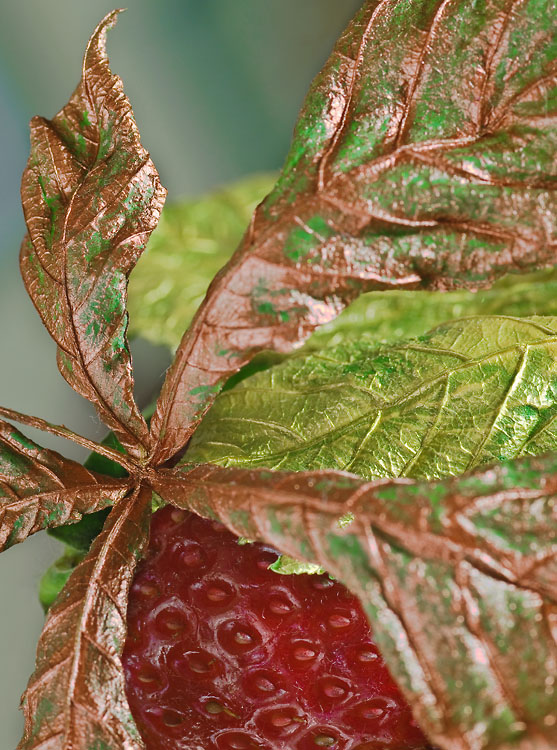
41,489
195,238
470,392
423,157
458,578
76,700
91,196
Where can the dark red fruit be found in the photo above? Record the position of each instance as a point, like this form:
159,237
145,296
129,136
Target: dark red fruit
224,654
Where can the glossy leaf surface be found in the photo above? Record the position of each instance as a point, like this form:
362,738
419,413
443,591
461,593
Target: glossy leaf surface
423,157
76,698
91,196
457,577
470,392
40,489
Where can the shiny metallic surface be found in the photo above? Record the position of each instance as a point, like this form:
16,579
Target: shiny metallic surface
418,161
393,182
229,96
458,577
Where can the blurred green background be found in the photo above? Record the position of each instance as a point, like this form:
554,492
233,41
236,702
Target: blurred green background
215,86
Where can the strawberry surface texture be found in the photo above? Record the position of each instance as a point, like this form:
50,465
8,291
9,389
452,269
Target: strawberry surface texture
224,654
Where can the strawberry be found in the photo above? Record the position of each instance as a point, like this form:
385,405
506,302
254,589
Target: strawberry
224,654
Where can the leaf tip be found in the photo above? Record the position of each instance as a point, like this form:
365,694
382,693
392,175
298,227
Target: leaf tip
98,38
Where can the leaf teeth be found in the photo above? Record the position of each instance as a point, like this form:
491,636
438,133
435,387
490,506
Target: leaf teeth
91,197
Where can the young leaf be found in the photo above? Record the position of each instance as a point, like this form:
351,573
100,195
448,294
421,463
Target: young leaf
457,577
423,157
41,489
470,392
76,697
193,240
91,197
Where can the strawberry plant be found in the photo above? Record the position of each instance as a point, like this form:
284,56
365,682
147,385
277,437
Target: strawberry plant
420,473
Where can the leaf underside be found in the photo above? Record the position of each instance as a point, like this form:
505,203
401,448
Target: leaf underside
384,317
470,392
423,157
91,196
457,578
76,697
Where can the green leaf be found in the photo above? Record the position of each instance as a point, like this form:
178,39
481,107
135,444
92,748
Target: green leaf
56,576
80,535
193,240
387,316
423,158
104,465
288,566
470,392
458,579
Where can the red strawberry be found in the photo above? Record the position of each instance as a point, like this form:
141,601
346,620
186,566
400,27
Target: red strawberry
224,654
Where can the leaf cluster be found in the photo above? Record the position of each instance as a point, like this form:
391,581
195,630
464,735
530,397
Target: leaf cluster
423,159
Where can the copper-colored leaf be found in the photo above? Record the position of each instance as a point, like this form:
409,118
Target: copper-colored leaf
458,578
40,489
91,197
102,449
423,157
76,697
